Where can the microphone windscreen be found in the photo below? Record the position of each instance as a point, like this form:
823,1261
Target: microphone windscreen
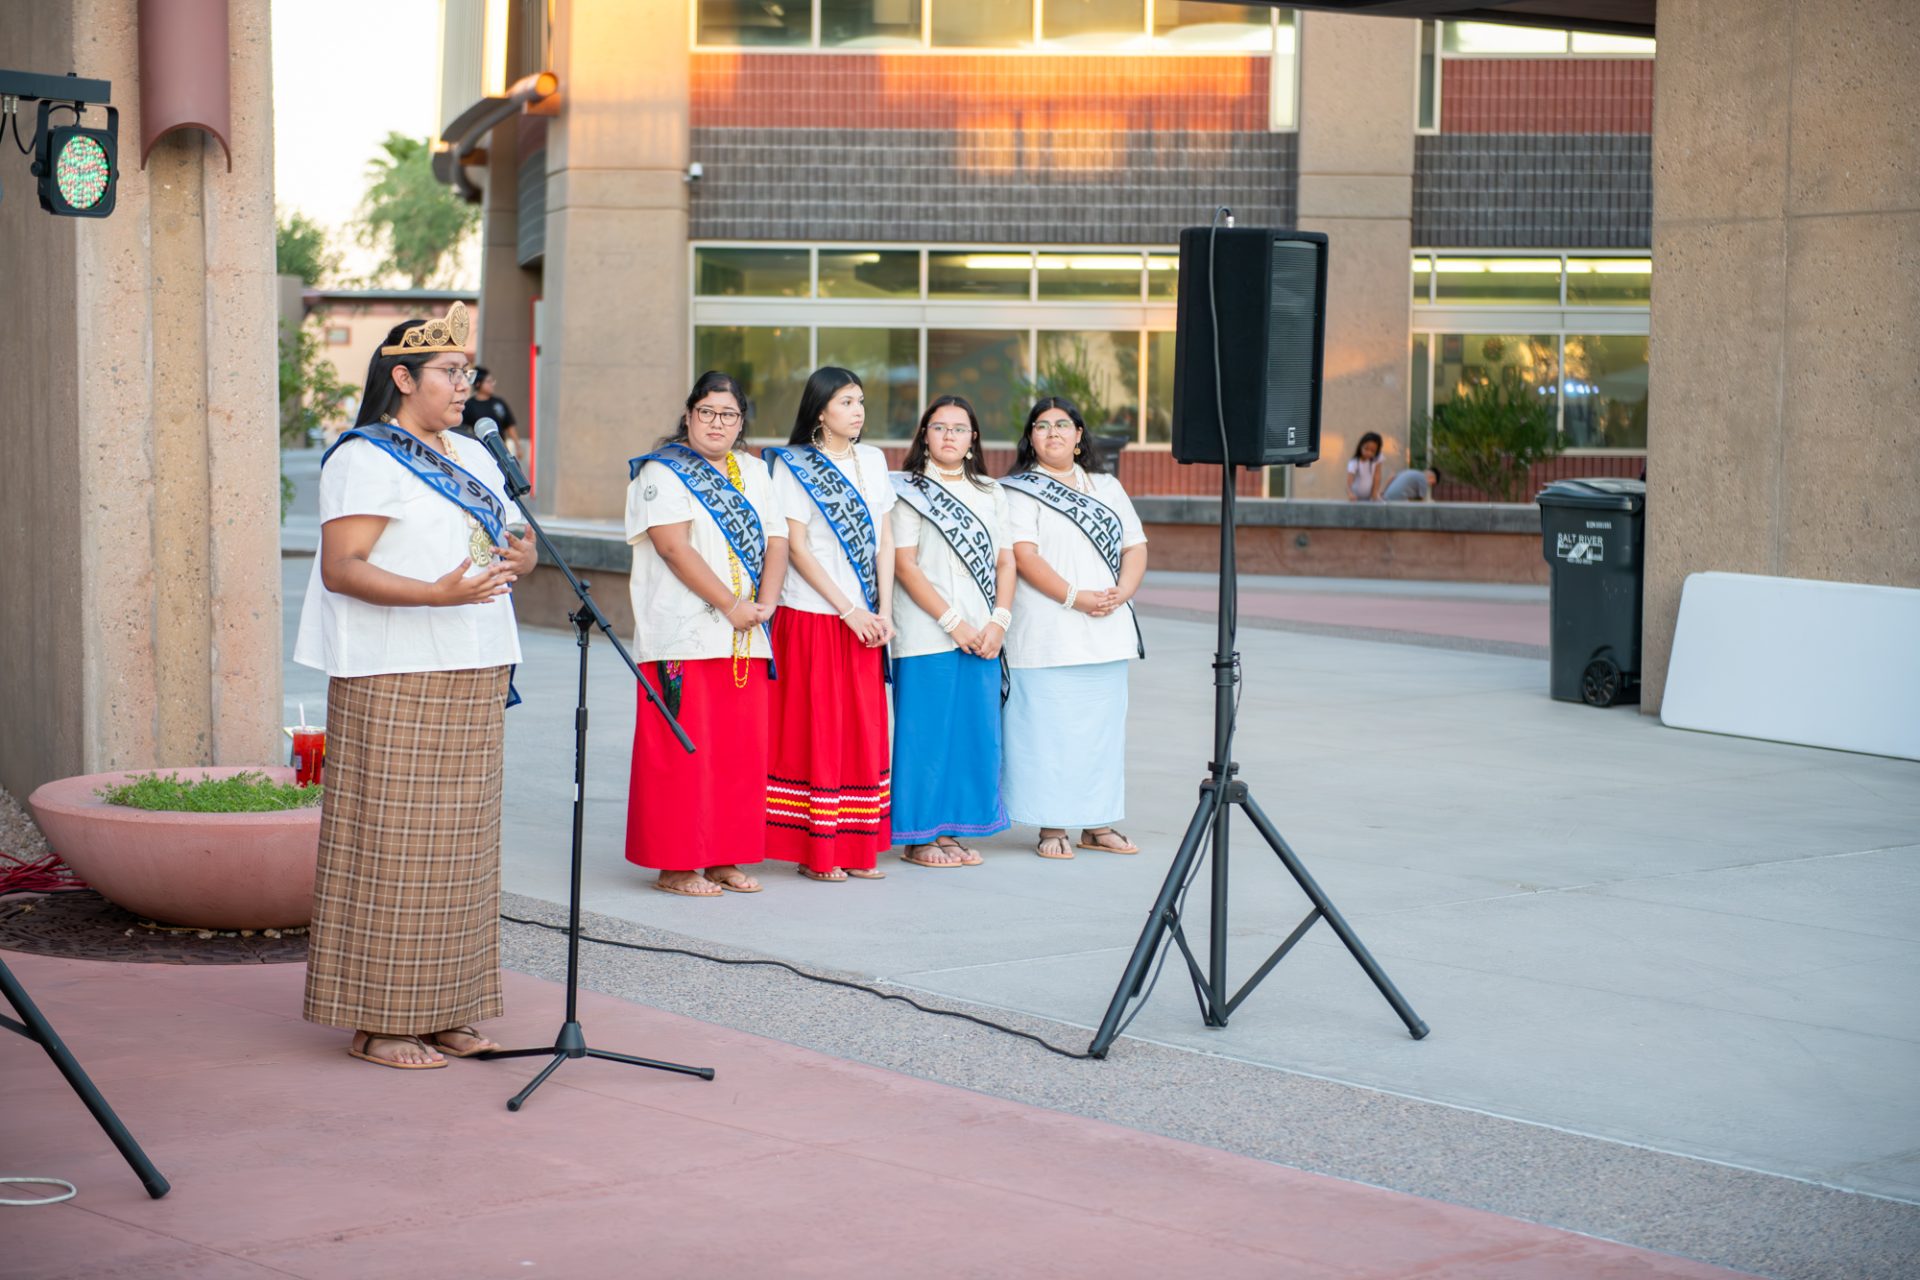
486,427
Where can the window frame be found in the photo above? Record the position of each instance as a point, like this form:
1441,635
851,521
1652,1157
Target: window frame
1150,45
1433,320
1029,316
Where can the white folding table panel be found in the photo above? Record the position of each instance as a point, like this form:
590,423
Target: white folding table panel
1824,664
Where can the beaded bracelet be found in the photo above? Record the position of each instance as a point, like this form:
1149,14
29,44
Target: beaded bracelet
1003,618
847,611
1073,592
949,620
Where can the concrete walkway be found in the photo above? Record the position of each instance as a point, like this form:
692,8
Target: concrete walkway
1699,944
288,1159
1629,941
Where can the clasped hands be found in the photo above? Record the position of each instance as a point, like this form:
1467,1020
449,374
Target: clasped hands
458,587
982,642
748,613
1098,604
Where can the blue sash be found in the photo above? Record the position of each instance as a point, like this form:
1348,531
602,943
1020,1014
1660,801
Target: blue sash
957,523
442,475
843,506
735,517
437,471
1092,517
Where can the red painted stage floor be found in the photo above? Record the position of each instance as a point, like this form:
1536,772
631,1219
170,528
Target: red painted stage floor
289,1159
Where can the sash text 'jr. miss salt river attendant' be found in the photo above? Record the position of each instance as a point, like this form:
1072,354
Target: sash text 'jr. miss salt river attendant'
954,563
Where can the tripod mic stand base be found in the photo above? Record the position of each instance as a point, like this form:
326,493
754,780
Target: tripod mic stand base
572,1043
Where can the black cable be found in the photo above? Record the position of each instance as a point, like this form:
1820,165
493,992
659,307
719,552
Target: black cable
13,119
1227,510
811,977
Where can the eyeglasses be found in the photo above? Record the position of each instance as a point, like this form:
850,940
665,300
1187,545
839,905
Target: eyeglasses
950,429
725,417
457,373
1055,425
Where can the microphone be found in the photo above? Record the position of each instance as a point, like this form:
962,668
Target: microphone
489,432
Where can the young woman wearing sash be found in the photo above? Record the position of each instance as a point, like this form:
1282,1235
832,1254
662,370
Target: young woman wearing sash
954,563
1081,554
699,516
408,615
828,784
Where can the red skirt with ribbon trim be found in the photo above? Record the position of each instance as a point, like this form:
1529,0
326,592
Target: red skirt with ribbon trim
829,785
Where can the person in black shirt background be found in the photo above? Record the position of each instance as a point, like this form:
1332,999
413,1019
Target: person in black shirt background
485,404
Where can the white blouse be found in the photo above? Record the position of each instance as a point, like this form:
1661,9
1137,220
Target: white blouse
870,477
671,623
1044,633
919,631
424,538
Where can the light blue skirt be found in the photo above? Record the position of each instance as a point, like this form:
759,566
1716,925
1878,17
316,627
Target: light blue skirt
1066,745
946,748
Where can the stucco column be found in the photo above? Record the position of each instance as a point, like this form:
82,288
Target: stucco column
148,418
614,357
1357,82
1786,241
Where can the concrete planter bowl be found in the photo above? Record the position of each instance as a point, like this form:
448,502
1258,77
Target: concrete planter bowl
207,870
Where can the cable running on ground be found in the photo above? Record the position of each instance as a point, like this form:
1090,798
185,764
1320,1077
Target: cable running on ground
811,977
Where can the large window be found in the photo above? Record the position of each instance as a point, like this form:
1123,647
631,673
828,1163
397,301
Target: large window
771,362
987,322
888,362
1173,26
1570,328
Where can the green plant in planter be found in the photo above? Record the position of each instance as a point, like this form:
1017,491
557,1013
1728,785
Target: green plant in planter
1491,435
247,792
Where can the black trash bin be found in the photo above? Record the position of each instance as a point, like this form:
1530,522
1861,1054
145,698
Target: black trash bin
1592,533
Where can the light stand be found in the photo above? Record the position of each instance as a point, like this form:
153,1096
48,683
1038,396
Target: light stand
572,1041
1219,793
34,1026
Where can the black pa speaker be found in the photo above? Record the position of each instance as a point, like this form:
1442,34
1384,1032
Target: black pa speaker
1269,289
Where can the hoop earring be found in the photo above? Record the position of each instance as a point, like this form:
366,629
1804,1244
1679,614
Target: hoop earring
819,437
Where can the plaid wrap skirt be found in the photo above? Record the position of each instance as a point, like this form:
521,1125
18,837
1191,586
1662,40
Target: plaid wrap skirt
405,937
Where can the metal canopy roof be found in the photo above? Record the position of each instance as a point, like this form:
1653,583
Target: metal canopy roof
1618,17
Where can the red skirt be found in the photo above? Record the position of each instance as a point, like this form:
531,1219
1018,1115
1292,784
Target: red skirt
829,790
708,809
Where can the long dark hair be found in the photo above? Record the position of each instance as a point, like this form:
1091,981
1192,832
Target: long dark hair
703,386
381,398
917,451
822,386
1379,445
1025,459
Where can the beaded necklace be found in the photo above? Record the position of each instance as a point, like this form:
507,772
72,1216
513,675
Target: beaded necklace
742,640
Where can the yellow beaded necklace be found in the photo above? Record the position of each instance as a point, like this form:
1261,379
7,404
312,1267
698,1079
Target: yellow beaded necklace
742,640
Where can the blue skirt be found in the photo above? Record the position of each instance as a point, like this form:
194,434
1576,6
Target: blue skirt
1066,745
946,748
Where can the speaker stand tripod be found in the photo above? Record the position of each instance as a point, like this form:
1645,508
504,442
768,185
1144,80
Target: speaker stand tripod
572,1040
1220,793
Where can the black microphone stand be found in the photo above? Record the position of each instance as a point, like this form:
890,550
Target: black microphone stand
572,1041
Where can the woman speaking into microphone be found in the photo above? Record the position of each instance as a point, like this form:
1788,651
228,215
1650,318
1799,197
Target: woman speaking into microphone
408,614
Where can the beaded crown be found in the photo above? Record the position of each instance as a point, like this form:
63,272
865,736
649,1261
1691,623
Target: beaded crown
448,333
